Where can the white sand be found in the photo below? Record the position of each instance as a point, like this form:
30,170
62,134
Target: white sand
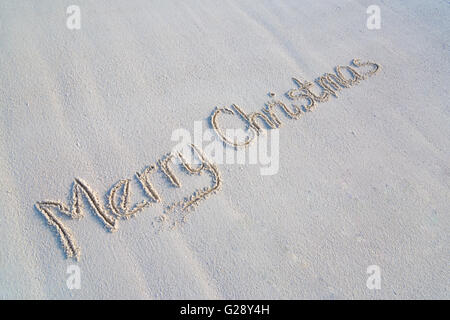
363,180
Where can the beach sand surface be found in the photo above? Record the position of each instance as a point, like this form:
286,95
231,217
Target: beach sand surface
363,180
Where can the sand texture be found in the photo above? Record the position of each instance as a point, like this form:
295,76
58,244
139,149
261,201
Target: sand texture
90,176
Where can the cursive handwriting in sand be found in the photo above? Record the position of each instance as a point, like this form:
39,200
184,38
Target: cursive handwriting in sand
118,199
118,204
329,84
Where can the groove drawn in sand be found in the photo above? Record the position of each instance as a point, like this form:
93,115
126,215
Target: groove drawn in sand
205,166
164,166
75,211
176,212
118,200
122,210
144,179
328,83
79,185
68,242
221,134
